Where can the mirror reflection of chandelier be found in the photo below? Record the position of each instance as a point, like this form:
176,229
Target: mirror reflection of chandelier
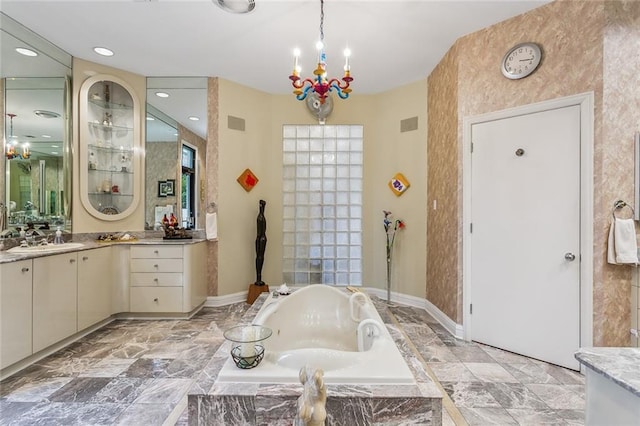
13,145
320,84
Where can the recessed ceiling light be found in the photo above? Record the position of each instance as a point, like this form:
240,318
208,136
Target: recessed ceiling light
175,134
55,146
162,94
46,114
26,52
103,51
54,152
46,137
194,118
149,118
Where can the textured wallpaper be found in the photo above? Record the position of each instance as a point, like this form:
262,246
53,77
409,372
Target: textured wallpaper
211,180
442,185
161,162
615,171
577,38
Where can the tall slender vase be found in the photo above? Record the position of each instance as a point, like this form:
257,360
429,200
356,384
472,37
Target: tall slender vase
388,277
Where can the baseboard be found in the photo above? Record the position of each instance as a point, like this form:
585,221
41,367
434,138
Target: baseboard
450,325
227,299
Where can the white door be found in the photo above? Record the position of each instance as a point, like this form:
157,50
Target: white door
525,210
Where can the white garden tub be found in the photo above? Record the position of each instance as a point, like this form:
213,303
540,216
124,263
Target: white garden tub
328,328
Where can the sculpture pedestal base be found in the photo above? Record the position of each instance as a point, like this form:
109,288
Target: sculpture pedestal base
255,291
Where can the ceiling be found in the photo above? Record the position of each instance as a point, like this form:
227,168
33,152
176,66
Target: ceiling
393,42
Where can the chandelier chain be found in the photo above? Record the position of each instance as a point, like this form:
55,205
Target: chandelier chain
322,21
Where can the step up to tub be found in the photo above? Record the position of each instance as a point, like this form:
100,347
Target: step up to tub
216,402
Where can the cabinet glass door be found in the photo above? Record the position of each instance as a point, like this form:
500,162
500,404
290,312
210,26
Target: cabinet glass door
110,141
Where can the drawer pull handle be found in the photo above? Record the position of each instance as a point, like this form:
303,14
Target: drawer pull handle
155,300
85,258
155,266
25,269
155,279
156,251
72,261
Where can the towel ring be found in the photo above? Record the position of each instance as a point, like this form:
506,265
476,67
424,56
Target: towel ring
620,205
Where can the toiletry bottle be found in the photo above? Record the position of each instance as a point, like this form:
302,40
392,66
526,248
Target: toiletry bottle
173,221
165,220
58,238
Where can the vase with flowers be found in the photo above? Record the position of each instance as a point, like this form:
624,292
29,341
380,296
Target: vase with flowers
391,227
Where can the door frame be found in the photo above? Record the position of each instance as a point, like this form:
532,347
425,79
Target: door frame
586,103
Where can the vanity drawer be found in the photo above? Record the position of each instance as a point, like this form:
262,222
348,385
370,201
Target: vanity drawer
156,252
156,265
146,279
156,299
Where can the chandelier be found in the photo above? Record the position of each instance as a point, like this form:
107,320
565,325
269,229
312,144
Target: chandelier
320,84
12,145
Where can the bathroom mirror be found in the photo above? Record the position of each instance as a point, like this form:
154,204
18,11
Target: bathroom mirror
176,117
36,122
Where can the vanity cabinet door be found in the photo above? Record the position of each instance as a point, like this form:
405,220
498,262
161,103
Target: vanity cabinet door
55,290
15,314
110,147
94,286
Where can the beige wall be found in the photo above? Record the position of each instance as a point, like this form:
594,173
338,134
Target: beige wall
259,148
82,220
576,38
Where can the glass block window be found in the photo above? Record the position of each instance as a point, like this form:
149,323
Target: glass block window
322,204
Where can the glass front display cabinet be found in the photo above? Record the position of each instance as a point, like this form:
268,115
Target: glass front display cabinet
110,147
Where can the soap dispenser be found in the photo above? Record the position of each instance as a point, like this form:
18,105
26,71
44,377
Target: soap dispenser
58,238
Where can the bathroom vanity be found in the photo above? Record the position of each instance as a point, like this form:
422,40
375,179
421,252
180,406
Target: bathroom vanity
613,385
49,299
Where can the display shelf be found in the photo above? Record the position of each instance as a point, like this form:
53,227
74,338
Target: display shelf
110,161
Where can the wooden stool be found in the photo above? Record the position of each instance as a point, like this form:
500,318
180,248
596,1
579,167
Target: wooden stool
255,291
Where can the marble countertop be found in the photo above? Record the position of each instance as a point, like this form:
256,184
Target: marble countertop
6,257
621,365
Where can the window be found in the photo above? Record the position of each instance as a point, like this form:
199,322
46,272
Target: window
322,204
188,187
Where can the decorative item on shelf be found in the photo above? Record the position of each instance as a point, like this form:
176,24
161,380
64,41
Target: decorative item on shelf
107,119
246,350
112,238
390,229
93,160
320,84
247,180
399,184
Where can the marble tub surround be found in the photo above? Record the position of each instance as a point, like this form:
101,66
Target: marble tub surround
218,403
620,365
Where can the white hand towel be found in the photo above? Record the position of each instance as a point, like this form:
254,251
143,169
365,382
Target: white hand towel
625,242
611,249
211,226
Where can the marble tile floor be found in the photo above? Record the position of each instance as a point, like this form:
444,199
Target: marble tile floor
137,372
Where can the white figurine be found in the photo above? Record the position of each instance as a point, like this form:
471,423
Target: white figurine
311,404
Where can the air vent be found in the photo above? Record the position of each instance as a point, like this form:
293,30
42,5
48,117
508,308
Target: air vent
235,123
408,124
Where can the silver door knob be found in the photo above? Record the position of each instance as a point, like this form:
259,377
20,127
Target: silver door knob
570,257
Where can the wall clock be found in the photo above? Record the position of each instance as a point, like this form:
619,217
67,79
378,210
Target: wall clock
521,60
